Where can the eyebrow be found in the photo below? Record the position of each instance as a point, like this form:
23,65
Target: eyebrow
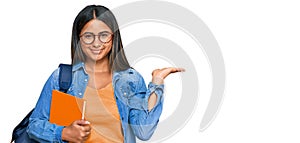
104,32
98,33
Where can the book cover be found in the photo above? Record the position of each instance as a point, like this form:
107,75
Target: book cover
65,108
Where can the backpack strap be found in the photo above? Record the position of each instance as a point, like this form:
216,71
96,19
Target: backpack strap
65,77
65,80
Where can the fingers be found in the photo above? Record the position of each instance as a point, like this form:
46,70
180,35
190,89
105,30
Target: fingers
180,70
82,129
86,128
84,125
174,70
166,71
81,122
85,135
158,75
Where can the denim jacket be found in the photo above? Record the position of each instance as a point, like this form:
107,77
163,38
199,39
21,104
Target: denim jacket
131,97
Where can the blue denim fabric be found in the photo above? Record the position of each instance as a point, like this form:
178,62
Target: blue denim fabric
131,96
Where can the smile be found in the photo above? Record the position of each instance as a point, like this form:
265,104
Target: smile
98,51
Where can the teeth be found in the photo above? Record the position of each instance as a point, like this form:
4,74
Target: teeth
96,52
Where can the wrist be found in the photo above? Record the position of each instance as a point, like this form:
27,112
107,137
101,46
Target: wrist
157,80
64,134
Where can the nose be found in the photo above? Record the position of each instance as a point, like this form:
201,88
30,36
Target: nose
97,43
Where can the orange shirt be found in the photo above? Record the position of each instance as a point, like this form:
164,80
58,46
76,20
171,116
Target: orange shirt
102,112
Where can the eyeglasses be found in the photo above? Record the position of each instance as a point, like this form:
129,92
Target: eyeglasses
89,38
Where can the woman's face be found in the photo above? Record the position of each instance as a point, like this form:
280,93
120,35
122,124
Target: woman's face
96,40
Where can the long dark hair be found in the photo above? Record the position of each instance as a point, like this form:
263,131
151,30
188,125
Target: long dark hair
117,58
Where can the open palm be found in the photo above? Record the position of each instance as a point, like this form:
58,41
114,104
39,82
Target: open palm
158,75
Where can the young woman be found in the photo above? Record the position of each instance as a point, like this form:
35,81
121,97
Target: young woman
119,105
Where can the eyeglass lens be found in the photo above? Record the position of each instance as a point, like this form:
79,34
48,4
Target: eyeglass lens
89,38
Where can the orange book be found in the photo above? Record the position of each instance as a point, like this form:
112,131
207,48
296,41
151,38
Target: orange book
65,108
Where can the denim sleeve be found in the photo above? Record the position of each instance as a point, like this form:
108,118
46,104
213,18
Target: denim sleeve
39,128
142,121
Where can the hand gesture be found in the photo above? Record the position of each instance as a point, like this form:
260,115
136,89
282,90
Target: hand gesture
77,132
158,75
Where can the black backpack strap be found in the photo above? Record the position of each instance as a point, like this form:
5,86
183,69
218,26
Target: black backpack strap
65,77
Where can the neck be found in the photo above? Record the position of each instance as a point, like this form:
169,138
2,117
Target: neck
98,66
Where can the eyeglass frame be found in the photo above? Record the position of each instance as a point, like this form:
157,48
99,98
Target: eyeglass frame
94,37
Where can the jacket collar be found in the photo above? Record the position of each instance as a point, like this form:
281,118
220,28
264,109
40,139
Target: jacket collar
80,65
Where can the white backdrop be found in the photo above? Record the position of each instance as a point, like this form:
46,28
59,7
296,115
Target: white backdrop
259,40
